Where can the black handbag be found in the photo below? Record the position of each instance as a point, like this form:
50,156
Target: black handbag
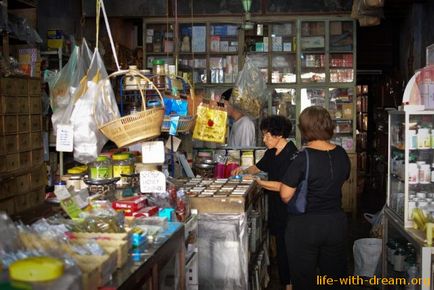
298,203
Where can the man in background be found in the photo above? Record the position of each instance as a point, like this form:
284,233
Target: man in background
242,133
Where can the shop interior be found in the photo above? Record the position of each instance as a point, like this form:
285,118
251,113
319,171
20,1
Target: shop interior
117,170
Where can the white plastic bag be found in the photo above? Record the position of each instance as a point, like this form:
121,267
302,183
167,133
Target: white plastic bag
95,104
367,253
66,82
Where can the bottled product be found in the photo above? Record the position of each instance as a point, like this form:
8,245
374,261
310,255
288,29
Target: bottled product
75,179
122,164
412,136
399,260
412,273
101,168
158,70
423,138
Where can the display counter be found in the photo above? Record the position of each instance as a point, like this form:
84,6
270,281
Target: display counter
155,265
231,222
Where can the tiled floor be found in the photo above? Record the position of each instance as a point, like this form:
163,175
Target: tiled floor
358,228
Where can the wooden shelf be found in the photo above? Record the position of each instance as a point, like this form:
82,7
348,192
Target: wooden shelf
22,4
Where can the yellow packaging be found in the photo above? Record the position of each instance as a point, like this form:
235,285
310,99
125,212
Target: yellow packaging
36,269
210,124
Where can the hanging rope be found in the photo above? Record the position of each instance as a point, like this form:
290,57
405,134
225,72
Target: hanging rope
97,15
175,39
101,3
191,46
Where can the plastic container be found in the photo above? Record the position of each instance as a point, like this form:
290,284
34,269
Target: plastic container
101,168
247,159
122,164
158,70
399,260
424,138
412,139
75,179
413,173
425,174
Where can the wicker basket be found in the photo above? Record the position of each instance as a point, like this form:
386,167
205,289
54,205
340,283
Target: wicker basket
185,124
139,126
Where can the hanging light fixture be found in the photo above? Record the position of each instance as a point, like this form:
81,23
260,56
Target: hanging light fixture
246,6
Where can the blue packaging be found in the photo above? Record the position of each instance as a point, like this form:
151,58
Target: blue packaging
167,213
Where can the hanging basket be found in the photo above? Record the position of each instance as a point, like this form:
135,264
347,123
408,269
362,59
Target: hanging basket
185,124
137,127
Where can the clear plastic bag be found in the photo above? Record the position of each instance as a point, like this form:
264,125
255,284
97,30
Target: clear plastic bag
95,105
250,91
65,84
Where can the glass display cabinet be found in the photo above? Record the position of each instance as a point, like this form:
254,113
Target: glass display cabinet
159,43
408,253
411,156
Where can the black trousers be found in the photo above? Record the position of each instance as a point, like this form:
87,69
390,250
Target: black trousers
316,246
277,219
282,258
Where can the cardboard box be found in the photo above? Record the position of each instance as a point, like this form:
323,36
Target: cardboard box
259,46
215,43
287,46
54,39
276,43
224,46
312,42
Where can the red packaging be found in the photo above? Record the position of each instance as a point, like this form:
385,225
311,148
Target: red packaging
131,204
146,212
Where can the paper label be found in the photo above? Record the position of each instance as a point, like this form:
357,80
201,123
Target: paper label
70,207
176,143
152,181
153,152
61,192
64,138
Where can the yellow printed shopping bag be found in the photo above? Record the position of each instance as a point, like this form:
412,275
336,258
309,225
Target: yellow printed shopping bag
210,123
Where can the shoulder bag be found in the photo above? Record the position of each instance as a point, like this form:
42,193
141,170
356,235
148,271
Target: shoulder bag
298,203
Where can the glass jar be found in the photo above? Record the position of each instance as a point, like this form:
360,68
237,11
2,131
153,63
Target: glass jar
101,168
158,70
122,164
75,179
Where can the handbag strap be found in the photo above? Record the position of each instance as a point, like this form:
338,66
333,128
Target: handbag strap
307,165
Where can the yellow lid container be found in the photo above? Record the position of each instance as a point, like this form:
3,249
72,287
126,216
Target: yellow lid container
36,269
122,156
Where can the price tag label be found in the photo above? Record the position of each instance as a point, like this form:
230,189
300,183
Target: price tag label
64,138
152,181
153,152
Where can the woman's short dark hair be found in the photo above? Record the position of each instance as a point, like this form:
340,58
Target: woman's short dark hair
315,123
276,126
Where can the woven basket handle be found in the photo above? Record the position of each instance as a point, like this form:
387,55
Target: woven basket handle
134,73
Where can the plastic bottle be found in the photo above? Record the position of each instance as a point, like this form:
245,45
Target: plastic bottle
412,273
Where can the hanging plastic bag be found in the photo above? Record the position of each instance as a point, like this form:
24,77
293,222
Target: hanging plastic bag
60,85
210,123
95,104
65,84
250,92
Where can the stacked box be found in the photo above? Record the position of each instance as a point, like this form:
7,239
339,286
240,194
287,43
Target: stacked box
22,171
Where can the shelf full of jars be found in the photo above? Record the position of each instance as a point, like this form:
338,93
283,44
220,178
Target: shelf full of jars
410,208
305,61
406,258
411,155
